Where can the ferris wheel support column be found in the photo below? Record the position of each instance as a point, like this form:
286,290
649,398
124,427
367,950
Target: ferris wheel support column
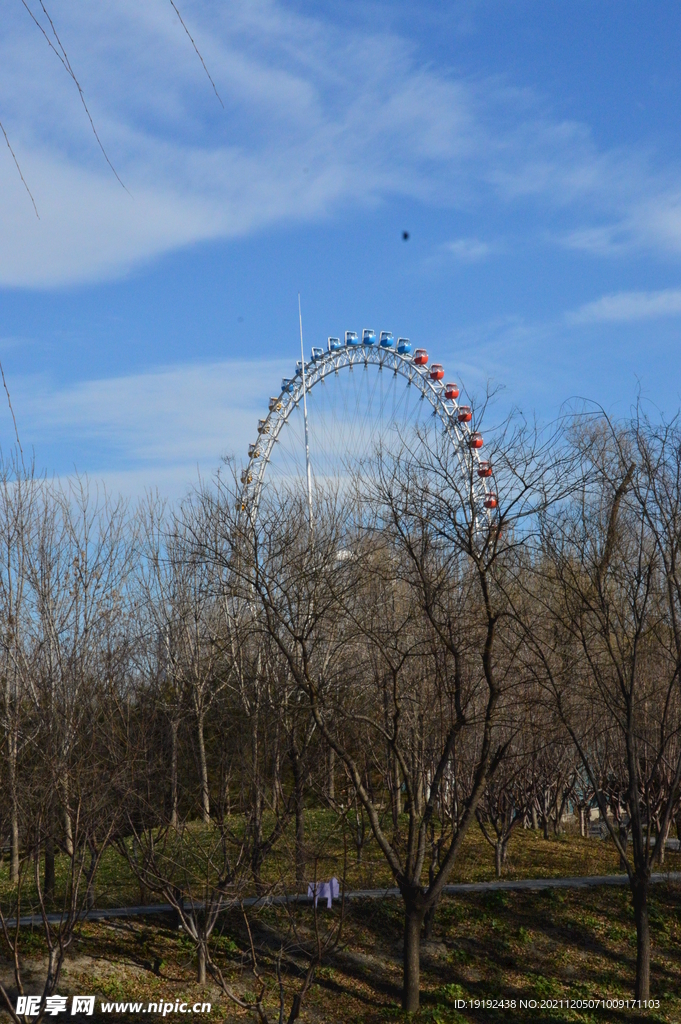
307,434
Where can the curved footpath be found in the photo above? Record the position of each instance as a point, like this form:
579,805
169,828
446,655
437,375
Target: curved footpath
520,884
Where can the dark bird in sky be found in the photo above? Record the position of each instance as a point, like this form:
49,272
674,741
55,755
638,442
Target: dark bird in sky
405,236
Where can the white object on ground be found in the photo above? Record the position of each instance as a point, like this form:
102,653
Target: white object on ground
324,890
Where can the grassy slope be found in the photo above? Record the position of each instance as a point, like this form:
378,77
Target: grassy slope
556,944
529,856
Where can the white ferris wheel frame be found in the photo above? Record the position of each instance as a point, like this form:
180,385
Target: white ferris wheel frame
433,391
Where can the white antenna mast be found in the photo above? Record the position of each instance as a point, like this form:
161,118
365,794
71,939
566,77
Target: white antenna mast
307,435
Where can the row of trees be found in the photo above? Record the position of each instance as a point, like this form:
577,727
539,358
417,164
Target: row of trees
411,663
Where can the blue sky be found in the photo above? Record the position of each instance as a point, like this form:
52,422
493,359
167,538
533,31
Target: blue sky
531,149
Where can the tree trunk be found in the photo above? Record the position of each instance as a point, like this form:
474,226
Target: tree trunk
332,775
623,834
300,838
429,922
14,843
360,829
92,870
297,1004
662,840
582,822
256,799
395,801
63,807
135,857
413,919
48,882
276,770
201,964
498,856
226,795
53,970
546,826
205,796
295,1008
398,790
68,824
640,894
299,794
174,727
535,822
14,812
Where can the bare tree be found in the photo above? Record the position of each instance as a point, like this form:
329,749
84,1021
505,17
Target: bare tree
417,538
76,627
158,624
501,810
18,490
607,648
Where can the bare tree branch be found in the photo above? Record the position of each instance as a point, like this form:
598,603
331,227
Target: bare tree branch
4,382
16,163
198,54
63,57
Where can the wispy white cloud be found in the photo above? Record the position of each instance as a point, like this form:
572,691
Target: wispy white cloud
603,240
317,116
299,135
646,215
470,250
621,307
158,426
656,221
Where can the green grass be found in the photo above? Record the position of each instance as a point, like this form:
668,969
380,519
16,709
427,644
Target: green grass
556,945
529,856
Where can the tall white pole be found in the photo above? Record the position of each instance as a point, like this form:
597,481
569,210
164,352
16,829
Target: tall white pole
307,435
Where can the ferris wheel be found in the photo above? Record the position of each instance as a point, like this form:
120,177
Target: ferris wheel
361,396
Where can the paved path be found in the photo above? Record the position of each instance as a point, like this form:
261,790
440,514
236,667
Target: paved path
520,884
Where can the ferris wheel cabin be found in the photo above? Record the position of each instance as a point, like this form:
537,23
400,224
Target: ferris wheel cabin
387,350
